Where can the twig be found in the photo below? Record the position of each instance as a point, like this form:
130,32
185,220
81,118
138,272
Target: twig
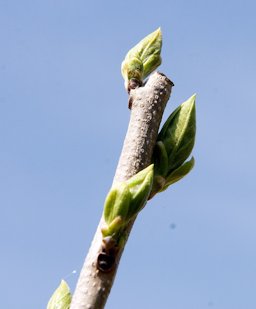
148,104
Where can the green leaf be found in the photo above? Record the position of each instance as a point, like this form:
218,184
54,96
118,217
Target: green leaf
164,133
117,202
61,298
174,145
160,159
178,133
125,200
179,173
143,58
140,187
150,48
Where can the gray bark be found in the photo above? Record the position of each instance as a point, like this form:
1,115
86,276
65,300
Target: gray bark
148,104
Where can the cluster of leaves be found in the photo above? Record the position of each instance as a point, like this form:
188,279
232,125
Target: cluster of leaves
125,200
142,59
173,147
169,163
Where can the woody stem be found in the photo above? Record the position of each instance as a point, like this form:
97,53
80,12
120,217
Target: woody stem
148,104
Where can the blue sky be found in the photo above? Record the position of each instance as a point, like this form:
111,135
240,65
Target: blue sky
63,117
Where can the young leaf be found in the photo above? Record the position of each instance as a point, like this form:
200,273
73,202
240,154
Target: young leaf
178,133
61,298
160,159
140,186
179,173
150,52
143,58
125,200
117,202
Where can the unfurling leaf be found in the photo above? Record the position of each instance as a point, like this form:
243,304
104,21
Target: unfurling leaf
179,173
174,145
125,200
61,298
178,133
117,202
142,59
140,186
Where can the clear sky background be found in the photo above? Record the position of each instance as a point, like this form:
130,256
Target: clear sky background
63,117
